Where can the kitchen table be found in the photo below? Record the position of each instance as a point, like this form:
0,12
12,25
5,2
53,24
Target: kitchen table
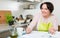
36,34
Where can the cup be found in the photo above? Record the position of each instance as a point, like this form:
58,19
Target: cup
19,31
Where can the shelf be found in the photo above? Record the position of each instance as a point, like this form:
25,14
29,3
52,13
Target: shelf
24,1
28,8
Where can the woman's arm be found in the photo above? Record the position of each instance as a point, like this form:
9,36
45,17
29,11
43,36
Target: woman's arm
54,28
32,24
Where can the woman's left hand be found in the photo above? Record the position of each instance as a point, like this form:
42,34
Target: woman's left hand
52,30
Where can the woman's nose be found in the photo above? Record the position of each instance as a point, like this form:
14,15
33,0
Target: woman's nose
43,10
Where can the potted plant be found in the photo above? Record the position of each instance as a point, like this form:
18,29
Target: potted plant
9,19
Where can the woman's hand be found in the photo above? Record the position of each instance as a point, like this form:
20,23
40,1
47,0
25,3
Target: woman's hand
52,30
28,30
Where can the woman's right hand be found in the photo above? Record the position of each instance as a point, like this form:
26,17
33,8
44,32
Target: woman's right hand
28,30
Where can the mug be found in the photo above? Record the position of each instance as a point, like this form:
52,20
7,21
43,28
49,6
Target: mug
19,31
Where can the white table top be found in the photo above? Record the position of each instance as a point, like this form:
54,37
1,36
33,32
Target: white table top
36,34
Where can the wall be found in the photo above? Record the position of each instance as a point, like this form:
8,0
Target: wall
14,6
6,0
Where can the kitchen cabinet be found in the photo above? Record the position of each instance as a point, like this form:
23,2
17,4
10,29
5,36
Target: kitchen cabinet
2,16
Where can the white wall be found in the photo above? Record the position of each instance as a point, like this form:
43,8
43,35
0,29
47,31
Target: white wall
13,6
6,0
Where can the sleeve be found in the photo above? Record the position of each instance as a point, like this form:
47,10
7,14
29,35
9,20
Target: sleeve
55,23
34,21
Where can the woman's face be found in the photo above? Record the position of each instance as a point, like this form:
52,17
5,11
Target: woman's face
45,11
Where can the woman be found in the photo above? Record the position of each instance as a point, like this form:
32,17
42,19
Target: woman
45,21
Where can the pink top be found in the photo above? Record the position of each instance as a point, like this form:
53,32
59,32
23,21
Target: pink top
38,18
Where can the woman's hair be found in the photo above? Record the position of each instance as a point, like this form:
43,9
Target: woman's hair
49,6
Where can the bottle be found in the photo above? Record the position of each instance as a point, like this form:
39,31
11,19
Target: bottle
13,32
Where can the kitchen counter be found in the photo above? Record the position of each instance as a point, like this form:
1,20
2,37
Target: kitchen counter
4,27
4,30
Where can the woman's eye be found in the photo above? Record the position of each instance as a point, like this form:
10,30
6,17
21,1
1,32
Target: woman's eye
46,9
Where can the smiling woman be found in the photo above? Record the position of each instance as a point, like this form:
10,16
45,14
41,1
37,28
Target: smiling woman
45,21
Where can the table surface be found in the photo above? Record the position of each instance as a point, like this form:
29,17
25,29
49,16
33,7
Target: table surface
36,34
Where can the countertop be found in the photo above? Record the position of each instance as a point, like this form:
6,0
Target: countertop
4,27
